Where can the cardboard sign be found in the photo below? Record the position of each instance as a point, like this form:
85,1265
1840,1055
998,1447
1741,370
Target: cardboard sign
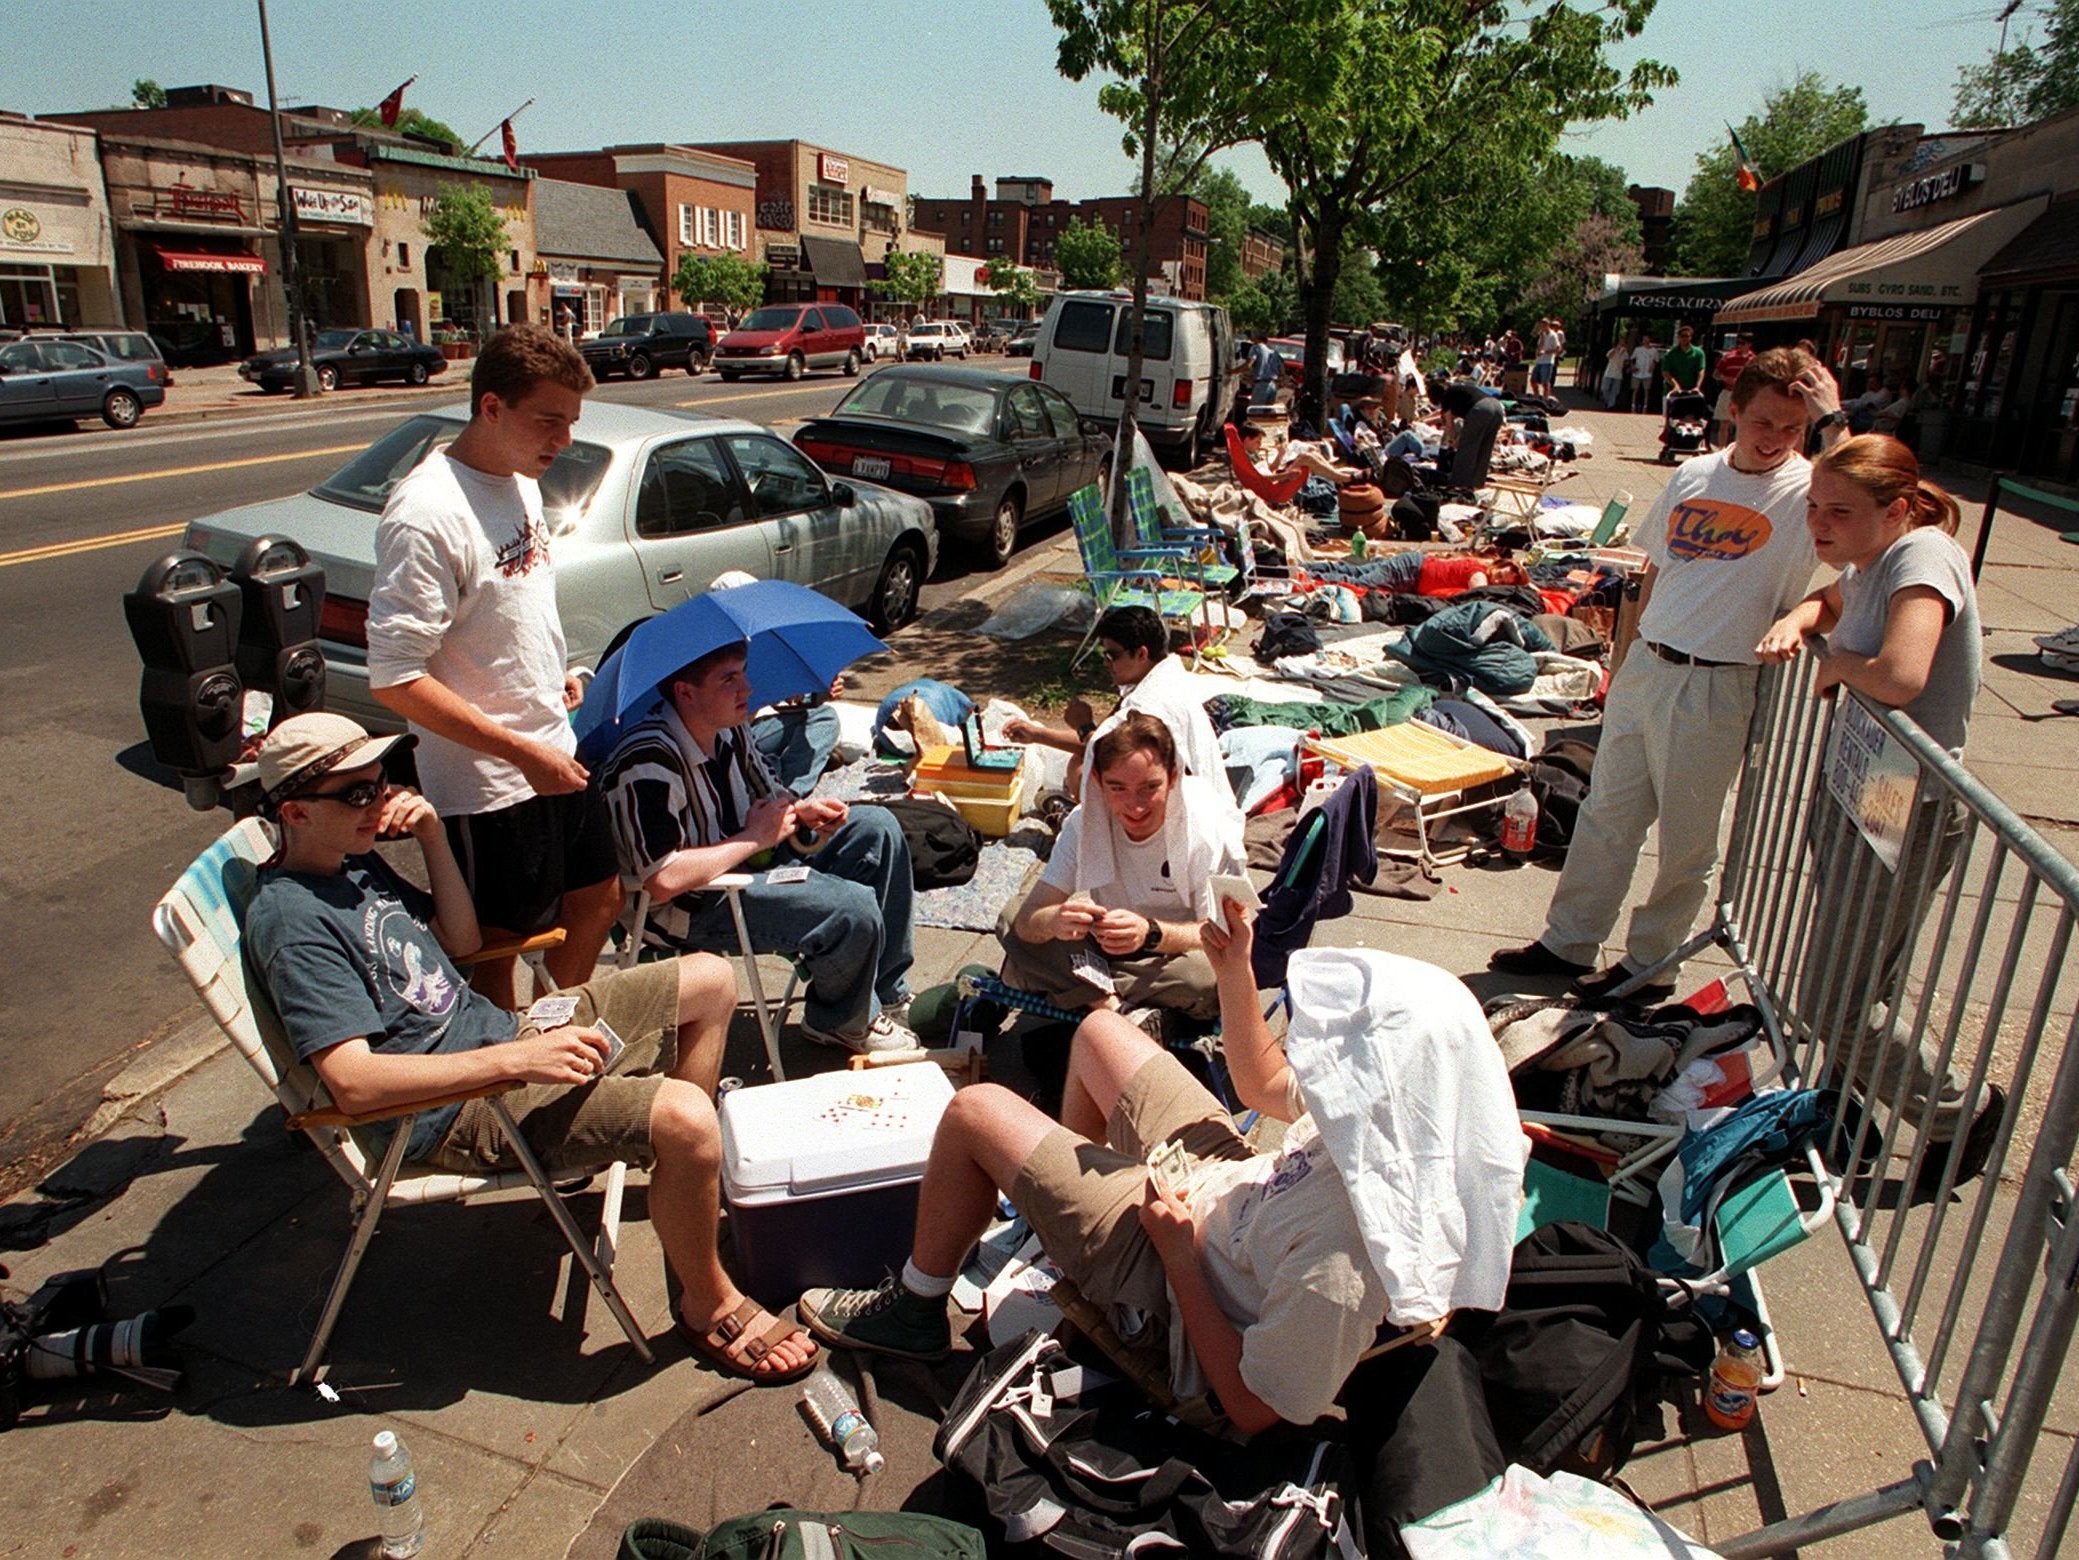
1873,779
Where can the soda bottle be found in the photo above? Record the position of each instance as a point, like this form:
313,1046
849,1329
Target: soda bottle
1519,827
394,1485
1357,548
835,1413
1735,1382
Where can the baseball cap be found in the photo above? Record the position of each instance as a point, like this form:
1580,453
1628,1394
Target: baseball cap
305,748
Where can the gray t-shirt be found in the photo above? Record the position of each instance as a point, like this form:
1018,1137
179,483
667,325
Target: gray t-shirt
1930,557
353,956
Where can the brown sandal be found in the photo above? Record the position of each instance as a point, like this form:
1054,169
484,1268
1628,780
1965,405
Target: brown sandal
733,1349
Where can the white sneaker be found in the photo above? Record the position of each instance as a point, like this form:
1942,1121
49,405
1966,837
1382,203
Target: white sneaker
883,1034
2065,641
2060,661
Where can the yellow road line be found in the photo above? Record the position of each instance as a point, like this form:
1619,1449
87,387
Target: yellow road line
178,471
88,544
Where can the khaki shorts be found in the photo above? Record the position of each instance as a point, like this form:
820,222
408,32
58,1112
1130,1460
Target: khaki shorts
1083,1199
589,1126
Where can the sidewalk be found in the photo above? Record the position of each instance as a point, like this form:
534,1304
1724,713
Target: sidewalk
536,1430
199,394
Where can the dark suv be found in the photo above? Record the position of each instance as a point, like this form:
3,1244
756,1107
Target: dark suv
639,344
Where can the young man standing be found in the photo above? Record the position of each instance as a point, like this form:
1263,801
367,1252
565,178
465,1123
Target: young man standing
1729,553
1682,365
464,642
358,963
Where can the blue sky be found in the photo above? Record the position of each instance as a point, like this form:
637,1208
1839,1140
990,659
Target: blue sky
945,89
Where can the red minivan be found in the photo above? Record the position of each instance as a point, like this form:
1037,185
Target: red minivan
789,339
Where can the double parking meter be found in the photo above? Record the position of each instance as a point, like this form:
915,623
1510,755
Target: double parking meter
284,595
184,616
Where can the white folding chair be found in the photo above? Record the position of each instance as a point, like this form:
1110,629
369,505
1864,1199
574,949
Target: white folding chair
637,938
200,920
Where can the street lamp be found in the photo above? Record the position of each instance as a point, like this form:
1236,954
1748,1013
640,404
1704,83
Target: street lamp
285,203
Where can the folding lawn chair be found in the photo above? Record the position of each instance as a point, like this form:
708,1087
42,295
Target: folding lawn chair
1152,533
1435,774
1133,577
200,920
638,941
1276,491
1613,517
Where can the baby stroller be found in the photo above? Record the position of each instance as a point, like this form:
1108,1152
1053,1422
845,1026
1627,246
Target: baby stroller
1685,426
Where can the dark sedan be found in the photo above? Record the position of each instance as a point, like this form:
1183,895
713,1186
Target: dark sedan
989,453
348,357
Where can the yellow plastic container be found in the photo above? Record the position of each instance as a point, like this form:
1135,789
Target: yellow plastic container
989,799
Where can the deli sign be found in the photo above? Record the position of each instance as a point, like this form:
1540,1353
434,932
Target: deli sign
1946,185
833,170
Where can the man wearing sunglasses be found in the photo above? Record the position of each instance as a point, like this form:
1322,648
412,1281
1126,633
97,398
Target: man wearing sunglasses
359,964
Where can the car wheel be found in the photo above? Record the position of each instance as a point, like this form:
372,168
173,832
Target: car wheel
640,366
852,362
1193,450
963,354
696,364
328,377
1002,539
121,409
416,374
795,366
894,600
873,353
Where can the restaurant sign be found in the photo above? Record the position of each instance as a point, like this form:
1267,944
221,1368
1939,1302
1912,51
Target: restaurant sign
1946,185
348,206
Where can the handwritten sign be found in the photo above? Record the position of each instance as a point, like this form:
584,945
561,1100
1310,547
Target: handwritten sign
1873,779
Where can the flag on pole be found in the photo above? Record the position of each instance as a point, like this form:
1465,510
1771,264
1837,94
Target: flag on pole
1748,179
512,146
393,105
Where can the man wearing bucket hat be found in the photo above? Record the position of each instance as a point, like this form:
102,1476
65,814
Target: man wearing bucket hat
359,965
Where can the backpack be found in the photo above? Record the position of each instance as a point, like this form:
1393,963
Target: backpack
1582,1353
783,1533
1559,778
944,847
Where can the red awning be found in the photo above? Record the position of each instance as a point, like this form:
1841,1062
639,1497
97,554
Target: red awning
242,262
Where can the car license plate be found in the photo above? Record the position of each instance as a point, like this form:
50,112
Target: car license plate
871,467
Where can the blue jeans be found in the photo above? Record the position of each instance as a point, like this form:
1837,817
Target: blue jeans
848,925
797,744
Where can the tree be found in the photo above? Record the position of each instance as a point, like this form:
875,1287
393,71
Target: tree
1227,206
1359,299
1014,286
1089,255
147,93
1574,276
1269,304
2027,81
734,283
466,228
1428,109
1714,220
412,122
911,278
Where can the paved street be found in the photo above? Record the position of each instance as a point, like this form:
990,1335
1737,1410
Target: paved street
98,830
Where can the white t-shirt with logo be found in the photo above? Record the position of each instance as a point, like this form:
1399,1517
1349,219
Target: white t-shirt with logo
465,593
1732,554
1144,884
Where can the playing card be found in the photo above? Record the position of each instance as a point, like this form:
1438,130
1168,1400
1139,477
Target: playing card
1168,1165
552,1011
787,875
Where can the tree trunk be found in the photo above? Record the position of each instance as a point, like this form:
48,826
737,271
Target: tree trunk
1130,399
1317,302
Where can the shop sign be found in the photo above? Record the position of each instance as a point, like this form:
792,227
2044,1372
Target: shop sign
1946,185
1829,203
348,206
1866,287
21,228
185,203
1765,228
1674,303
875,196
785,257
777,215
1893,311
1873,779
563,270
833,170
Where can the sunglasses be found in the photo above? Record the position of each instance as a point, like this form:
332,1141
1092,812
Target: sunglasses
361,793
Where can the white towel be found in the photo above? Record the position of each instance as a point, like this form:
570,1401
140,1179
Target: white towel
1202,829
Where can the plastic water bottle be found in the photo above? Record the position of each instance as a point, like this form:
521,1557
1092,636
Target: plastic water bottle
835,1413
394,1485
1519,827
1735,1382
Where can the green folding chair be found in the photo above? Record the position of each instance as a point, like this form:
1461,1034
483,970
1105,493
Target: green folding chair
1151,531
1132,577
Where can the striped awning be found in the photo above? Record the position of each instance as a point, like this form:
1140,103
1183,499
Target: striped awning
1931,267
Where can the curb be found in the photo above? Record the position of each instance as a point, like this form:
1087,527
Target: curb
159,1068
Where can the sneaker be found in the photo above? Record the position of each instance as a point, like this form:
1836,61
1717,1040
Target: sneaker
883,1034
2065,641
886,1320
1536,959
2060,661
1150,1021
1977,1148
1597,988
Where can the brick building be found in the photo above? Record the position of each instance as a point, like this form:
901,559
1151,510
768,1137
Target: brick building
825,219
1656,215
1024,220
1262,253
690,201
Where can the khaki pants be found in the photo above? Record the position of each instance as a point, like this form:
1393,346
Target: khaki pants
1672,744
1180,982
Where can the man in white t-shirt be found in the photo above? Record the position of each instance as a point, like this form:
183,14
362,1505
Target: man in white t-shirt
1645,372
465,643
1729,553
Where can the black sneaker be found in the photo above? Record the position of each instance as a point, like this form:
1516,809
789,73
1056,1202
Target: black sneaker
1536,959
1977,1148
1597,988
887,1320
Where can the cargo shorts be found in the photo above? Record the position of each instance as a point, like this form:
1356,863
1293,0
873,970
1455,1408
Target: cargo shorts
584,1127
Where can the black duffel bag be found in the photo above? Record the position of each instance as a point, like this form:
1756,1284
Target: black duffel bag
944,847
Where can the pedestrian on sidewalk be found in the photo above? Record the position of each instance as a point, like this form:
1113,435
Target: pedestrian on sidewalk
1728,553
465,643
1645,373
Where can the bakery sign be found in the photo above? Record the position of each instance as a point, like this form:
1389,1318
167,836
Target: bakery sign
354,207
22,228
833,170
1946,185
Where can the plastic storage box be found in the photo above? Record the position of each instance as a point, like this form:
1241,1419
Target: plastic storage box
820,1175
990,799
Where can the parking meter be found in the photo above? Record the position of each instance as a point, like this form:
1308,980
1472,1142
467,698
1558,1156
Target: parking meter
284,596
184,617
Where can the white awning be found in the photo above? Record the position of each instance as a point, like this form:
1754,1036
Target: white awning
1932,267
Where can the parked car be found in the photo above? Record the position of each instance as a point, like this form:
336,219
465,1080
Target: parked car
639,344
1020,344
125,346
789,339
1082,351
347,357
644,509
882,341
936,340
990,454
47,380
1292,351
994,335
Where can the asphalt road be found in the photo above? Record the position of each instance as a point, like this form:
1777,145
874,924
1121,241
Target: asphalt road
97,830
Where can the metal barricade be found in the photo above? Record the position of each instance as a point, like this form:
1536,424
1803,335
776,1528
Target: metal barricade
1905,934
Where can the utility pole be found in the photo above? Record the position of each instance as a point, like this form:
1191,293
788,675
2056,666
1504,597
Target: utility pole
1999,64
285,203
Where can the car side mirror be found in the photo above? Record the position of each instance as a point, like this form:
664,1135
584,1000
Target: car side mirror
1091,425
843,494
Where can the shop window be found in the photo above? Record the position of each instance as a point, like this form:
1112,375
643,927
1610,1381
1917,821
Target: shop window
831,205
880,218
404,257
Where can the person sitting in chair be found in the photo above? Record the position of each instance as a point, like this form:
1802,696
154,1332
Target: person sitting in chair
691,798
359,966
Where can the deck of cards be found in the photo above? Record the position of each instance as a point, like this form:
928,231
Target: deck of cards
1168,1165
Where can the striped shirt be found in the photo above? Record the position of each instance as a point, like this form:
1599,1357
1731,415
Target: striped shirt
665,793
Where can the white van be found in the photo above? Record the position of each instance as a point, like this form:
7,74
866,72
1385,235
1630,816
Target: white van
1186,372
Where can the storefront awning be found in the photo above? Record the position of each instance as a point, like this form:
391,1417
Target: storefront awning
835,262
1673,295
1933,267
2046,250
242,262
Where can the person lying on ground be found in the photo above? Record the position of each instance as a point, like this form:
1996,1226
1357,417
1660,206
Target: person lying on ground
1311,457
1113,920
691,798
359,965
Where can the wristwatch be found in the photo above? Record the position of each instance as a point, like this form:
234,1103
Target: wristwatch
1153,940
1083,731
1832,419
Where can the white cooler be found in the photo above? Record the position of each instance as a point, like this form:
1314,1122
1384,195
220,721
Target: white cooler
820,1175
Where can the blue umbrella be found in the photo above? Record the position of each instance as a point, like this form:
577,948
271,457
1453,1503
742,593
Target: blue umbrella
798,641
